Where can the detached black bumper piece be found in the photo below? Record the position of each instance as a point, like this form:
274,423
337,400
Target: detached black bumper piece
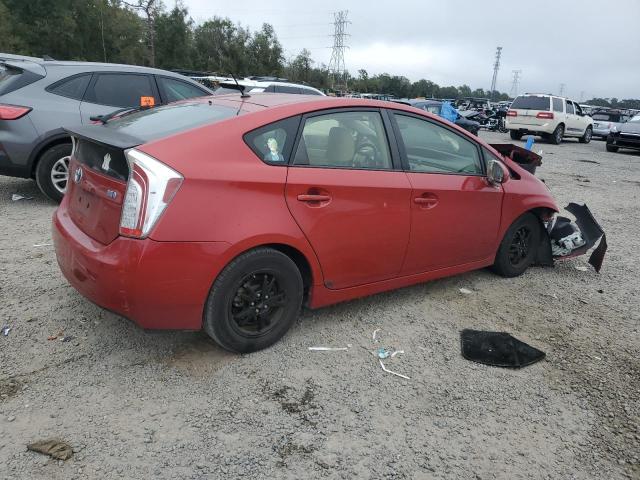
497,349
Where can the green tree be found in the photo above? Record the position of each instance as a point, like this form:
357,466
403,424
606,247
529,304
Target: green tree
265,51
9,41
174,38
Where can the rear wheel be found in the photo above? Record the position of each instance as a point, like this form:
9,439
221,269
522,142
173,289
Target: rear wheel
515,134
586,138
612,148
254,301
556,136
519,247
52,171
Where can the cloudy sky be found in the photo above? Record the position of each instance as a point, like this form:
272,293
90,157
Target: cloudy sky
590,46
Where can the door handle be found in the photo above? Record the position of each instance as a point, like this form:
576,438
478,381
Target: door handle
313,198
427,201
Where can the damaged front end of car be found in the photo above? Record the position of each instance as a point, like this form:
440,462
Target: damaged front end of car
563,238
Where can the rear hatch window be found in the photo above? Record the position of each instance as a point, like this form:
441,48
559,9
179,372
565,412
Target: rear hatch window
607,117
531,103
159,122
12,78
95,196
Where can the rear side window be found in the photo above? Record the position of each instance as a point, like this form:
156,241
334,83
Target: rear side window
557,105
71,87
430,148
173,89
273,143
309,91
167,120
531,103
13,78
120,90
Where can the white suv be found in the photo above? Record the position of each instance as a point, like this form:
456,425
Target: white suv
550,117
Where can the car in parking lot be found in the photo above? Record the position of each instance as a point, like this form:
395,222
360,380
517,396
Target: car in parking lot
549,116
230,215
435,107
39,98
258,84
606,121
625,136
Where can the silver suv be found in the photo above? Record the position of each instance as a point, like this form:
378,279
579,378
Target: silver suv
39,98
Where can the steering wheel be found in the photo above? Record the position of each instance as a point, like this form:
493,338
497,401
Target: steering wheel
366,155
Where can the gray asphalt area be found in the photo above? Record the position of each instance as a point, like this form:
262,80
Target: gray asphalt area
136,404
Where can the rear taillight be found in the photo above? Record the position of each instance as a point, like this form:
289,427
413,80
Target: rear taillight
512,113
151,187
13,112
545,115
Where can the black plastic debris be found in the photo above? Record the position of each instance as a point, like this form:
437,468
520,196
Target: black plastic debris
497,349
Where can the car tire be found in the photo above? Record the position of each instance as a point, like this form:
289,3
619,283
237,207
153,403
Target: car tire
515,134
612,148
586,138
52,171
246,283
556,136
519,247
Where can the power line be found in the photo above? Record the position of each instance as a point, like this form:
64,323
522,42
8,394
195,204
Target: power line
496,67
337,67
515,83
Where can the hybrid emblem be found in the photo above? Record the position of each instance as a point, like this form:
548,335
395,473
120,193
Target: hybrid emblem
77,176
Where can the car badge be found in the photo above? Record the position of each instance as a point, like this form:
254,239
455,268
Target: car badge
106,160
77,176
112,194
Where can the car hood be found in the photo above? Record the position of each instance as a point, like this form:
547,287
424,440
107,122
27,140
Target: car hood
630,127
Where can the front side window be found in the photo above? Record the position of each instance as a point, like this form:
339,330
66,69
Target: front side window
273,143
432,148
578,109
344,140
174,90
570,108
121,90
557,105
73,87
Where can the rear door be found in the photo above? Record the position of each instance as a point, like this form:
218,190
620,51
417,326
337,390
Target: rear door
111,91
455,212
348,198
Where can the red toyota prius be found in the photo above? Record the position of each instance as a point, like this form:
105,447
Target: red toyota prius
230,213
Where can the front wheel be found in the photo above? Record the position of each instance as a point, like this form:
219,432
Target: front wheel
519,247
612,148
586,138
254,301
52,172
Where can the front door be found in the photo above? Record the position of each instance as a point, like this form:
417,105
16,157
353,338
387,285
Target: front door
345,195
455,212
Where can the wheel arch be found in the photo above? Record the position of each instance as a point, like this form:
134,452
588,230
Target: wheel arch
51,141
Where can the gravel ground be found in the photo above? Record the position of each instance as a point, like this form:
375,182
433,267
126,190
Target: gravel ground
136,404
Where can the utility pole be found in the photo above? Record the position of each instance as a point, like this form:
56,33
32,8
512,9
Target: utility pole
336,64
515,83
581,95
496,67
562,85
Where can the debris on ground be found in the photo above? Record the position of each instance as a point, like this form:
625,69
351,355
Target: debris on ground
375,332
5,330
67,338
382,353
55,448
465,291
329,349
497,349
56,336
582,268
392,372
16,196
42,244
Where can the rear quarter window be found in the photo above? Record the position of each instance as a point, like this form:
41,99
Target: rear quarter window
532,103
13,78
71,87
273,143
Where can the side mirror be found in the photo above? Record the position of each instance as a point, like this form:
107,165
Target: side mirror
497,173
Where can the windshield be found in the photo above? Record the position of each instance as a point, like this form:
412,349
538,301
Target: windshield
170,119
531,103
635,119
607,117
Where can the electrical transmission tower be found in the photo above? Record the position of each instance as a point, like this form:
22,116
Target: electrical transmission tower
515,84
336,64
496,67
562,85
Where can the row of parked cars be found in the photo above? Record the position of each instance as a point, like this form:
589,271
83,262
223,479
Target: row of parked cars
554,118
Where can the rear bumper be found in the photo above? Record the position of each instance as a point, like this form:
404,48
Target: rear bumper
547,127
158,285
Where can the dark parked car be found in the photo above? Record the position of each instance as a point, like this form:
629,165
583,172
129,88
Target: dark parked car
625,136
435,107
39,98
